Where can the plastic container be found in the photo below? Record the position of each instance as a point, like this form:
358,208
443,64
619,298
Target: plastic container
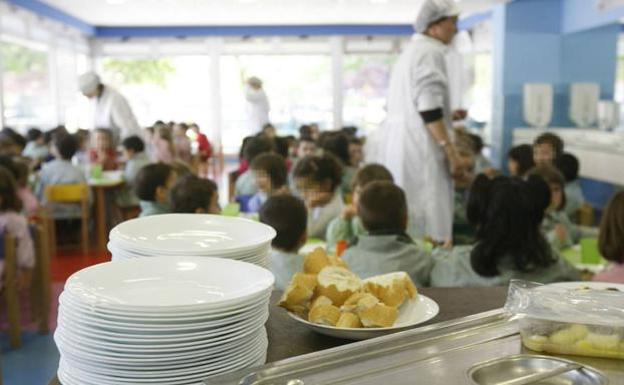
569,318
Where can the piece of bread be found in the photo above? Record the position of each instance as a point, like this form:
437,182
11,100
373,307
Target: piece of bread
358,302
316,261
324,315
392,289
338,284
378,316
299,292
349,320
321,300
337,261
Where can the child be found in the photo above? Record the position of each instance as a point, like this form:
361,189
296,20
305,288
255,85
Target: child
305,147
559,230
203,144
181,143
348,225
356,152
16,225
386,247
36,148
520,160
507,213
153,183
133,149
336,143
30,204
81,157
103,152
162,145
284,261
568,164
61,171
245,185
611,240
546,149
270,174
195,196
269,131
317,179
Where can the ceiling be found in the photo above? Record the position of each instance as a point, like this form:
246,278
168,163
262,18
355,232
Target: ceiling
248,12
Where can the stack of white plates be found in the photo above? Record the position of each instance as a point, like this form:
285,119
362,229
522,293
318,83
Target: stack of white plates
192,235
166,320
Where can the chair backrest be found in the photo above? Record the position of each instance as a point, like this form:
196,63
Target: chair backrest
67,193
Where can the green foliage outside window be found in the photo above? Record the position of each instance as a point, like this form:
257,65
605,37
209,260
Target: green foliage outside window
141,71
19,60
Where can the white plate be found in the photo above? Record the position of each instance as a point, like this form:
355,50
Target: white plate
65,300
137,333
150,358
188,233
126,252
413,312
169,283
79,377
183,368
70,338
149,362
589,284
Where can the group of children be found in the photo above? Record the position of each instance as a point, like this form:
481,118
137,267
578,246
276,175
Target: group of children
315,186
519,223
29,165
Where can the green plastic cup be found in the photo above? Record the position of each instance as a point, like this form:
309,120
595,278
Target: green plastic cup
231,210
589,252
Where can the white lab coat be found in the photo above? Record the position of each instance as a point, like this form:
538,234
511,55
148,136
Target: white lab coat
419,82
112,111
257,109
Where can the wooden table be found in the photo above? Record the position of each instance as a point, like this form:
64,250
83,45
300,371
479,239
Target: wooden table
99,187
288,338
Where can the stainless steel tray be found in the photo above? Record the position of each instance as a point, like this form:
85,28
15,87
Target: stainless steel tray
437,354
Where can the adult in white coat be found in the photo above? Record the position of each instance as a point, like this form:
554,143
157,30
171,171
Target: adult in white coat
257,105
112,110
416,143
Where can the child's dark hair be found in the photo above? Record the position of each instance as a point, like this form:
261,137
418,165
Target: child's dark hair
66,144
507,218
192,193
255,146
371,173
523,155
383,207
280,145
320,169
10,165
22,172
611,238
9,200
551,139
274,166
569,166
305,131
149,178
287,214
337,144
551,175
15,136
33,134
134,143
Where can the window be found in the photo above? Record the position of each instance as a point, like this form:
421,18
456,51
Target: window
365,84
299,88
26,85
174,88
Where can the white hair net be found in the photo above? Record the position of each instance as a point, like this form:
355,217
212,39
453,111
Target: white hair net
255,81
88,82
434,10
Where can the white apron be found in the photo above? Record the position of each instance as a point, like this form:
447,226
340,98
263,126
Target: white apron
257,109
112,111
419,82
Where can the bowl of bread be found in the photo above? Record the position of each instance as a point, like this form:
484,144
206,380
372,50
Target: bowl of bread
331,300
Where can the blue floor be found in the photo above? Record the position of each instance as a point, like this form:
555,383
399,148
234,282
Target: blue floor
35,363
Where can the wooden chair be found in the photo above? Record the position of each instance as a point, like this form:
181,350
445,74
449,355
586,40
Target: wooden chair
586,215
10,291
69,193
41,289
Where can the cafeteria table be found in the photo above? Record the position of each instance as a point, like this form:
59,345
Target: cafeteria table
289,338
